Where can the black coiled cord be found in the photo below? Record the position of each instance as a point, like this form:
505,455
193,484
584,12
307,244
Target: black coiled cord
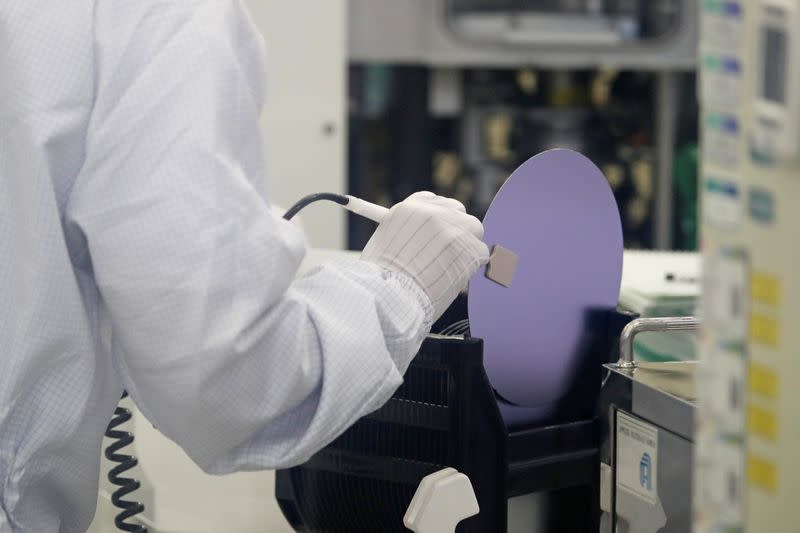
126,485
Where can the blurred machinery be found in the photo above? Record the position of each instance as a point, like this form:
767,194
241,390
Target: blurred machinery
568,22
453,94
747,434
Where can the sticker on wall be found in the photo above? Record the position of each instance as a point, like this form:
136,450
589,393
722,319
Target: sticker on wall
762,144
762,473
761,205
721,203
721,80
637,457
764,330
721,133
723,24
763,381
765,289
719,454
726,392
762,422
726,294
728,483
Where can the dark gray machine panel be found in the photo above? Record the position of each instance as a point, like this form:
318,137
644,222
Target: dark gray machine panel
646,451
670,511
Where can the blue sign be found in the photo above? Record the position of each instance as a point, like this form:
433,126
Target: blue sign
723,122
761,205
723,7
645,472
725,188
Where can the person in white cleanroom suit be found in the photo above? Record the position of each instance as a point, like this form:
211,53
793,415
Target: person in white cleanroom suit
138,251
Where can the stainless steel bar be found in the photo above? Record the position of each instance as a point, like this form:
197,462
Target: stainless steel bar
680,323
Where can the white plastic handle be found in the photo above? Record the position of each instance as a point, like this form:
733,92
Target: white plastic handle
443,499
366,209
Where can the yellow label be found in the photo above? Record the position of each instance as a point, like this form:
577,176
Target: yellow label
764,330
762,380
762,422
762,473
765,288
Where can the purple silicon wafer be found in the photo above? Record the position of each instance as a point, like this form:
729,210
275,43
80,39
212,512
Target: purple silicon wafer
558,214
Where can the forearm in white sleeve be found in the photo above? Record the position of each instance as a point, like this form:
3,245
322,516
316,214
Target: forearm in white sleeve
218,345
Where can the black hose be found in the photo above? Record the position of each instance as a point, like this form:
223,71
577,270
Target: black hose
311,198
129,509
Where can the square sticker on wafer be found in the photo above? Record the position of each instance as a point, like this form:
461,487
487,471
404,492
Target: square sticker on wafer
502,265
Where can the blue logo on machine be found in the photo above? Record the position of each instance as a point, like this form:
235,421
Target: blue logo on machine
761,205
722,64
722,204
645,472
722,7
723,123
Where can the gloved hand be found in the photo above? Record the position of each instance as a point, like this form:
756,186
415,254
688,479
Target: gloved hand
432,240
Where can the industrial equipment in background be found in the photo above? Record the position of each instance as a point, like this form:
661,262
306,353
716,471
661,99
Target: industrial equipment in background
452,95
564,22
747,435
507,115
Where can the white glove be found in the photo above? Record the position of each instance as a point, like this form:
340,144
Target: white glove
432,240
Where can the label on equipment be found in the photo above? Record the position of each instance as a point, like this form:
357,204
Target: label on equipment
726,386
722,205
721,139
721,80
637,457
721,424
726,294
726,483
723,24
761,205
